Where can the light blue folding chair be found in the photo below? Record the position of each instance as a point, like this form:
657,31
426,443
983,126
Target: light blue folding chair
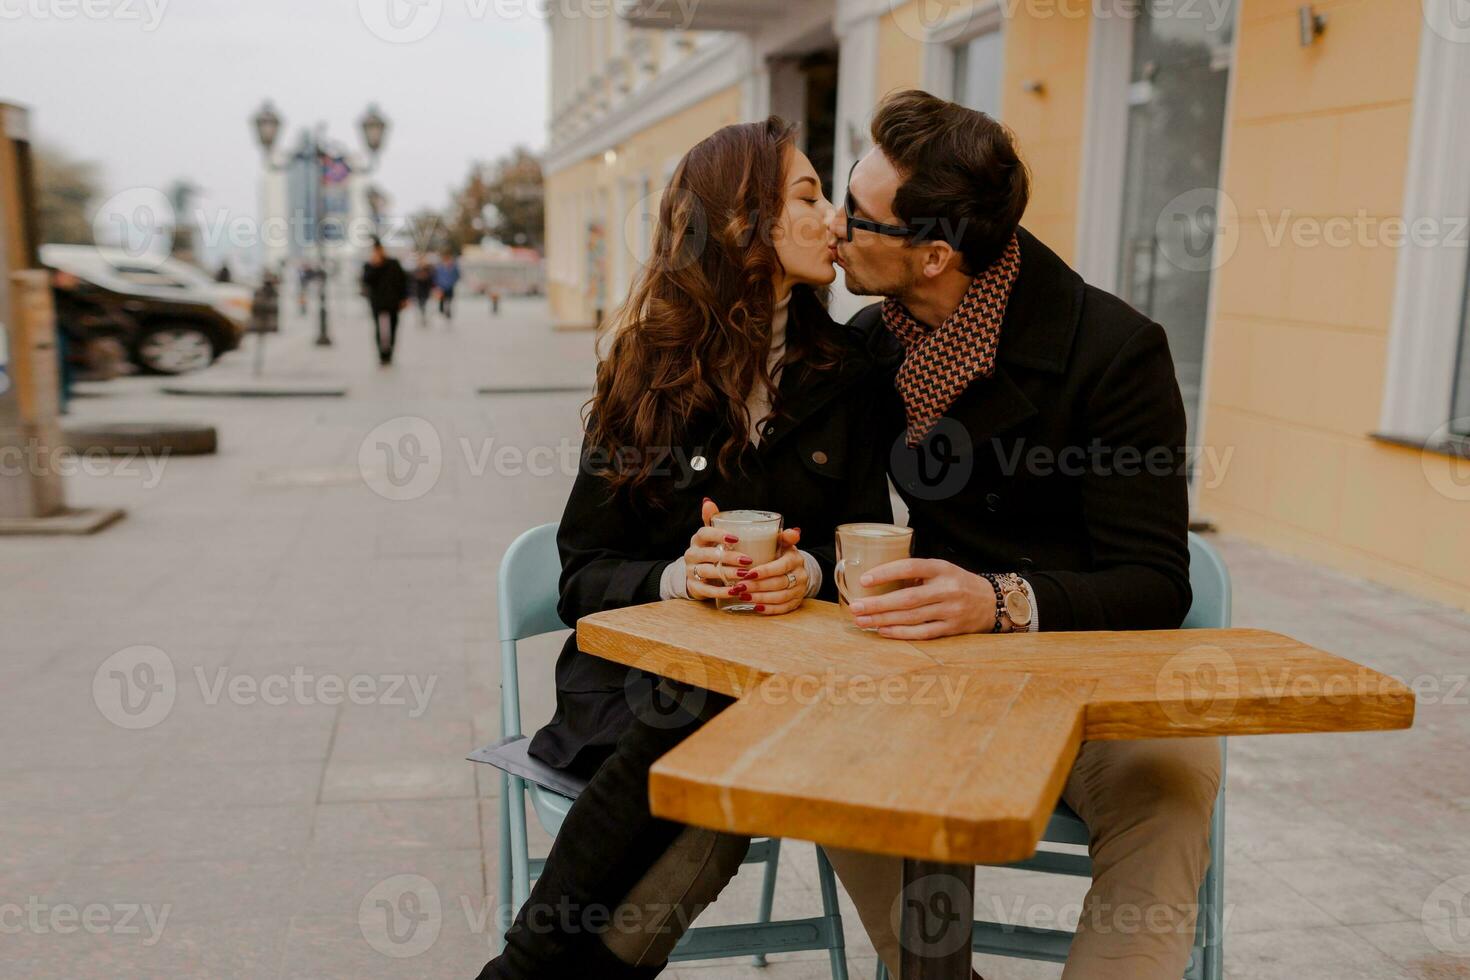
1210,582
529,575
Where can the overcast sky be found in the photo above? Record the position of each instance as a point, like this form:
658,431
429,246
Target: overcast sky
154,90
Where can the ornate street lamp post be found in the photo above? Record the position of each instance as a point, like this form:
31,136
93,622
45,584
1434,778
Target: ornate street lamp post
374,129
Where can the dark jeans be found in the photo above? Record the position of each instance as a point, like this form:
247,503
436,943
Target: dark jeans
446,303
607,844
385,324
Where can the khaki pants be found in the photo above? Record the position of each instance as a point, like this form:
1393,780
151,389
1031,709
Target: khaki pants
1147,805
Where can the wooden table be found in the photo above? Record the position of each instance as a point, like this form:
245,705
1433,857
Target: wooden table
952,752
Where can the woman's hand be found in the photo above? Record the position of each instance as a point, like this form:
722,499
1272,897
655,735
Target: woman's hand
715,568
779,586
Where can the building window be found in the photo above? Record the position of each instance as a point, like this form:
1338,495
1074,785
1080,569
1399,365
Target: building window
1426,395
977,77
1460,424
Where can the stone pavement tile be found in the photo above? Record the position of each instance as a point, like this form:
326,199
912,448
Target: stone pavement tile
1315,954
228,783
394,780
1364,891
247,741
193,891
392,735
331,946
37,840
1423,949
336,884
396,824
1275,826
1258,901
241,949
258,833
71,788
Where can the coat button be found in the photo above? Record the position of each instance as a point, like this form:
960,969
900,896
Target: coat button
698,464
1026,564
992,501
770,430
820,458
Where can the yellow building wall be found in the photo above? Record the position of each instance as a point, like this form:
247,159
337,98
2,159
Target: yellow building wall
1048,124
1297,354
594,189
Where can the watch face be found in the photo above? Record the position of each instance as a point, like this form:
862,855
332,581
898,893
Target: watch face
1018,608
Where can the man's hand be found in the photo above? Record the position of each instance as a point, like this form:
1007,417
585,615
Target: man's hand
942,600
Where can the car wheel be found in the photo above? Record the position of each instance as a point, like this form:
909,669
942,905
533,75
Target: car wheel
175,348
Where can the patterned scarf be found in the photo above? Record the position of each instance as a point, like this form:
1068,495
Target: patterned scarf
940,364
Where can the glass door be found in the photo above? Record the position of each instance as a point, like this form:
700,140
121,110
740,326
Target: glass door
1178,82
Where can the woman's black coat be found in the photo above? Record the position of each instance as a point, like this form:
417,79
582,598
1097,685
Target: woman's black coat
818,464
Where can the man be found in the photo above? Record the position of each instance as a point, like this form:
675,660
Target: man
1040,449
446,278
385,285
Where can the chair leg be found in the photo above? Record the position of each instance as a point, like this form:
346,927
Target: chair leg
768,891
832,909
520,850
504,913
1215,889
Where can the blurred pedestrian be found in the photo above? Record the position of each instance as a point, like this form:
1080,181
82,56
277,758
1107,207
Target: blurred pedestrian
386,286
423,287
304,276
446,277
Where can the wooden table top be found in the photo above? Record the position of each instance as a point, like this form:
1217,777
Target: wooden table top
846,738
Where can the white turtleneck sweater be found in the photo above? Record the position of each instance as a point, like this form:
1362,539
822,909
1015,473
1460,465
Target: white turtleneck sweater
673,584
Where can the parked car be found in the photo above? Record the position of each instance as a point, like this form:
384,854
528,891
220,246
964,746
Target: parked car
171,317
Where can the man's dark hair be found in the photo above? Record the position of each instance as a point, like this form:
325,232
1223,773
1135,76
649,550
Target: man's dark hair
963,181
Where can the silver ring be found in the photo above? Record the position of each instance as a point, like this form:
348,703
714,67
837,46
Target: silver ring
697,577
791,579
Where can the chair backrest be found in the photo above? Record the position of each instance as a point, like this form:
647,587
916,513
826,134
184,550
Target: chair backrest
1210,581
530,575
530,579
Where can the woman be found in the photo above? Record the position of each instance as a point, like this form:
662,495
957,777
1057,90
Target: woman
725,385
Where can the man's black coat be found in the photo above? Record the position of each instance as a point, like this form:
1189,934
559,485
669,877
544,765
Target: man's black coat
1067,465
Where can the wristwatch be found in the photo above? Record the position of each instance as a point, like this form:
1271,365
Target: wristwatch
1012,603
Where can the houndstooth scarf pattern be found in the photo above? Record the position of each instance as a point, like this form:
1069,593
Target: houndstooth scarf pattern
940,364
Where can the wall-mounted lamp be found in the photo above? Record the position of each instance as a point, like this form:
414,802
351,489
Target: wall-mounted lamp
1033,86
610,157
1312,24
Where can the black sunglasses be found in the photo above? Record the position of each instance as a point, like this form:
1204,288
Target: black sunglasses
863,224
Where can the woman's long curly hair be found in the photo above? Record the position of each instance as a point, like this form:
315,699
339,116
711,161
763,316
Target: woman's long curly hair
694,337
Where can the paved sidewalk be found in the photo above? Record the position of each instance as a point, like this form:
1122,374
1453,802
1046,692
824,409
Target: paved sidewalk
236,719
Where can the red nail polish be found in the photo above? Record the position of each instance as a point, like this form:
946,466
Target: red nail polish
760,608
731,539
745,560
